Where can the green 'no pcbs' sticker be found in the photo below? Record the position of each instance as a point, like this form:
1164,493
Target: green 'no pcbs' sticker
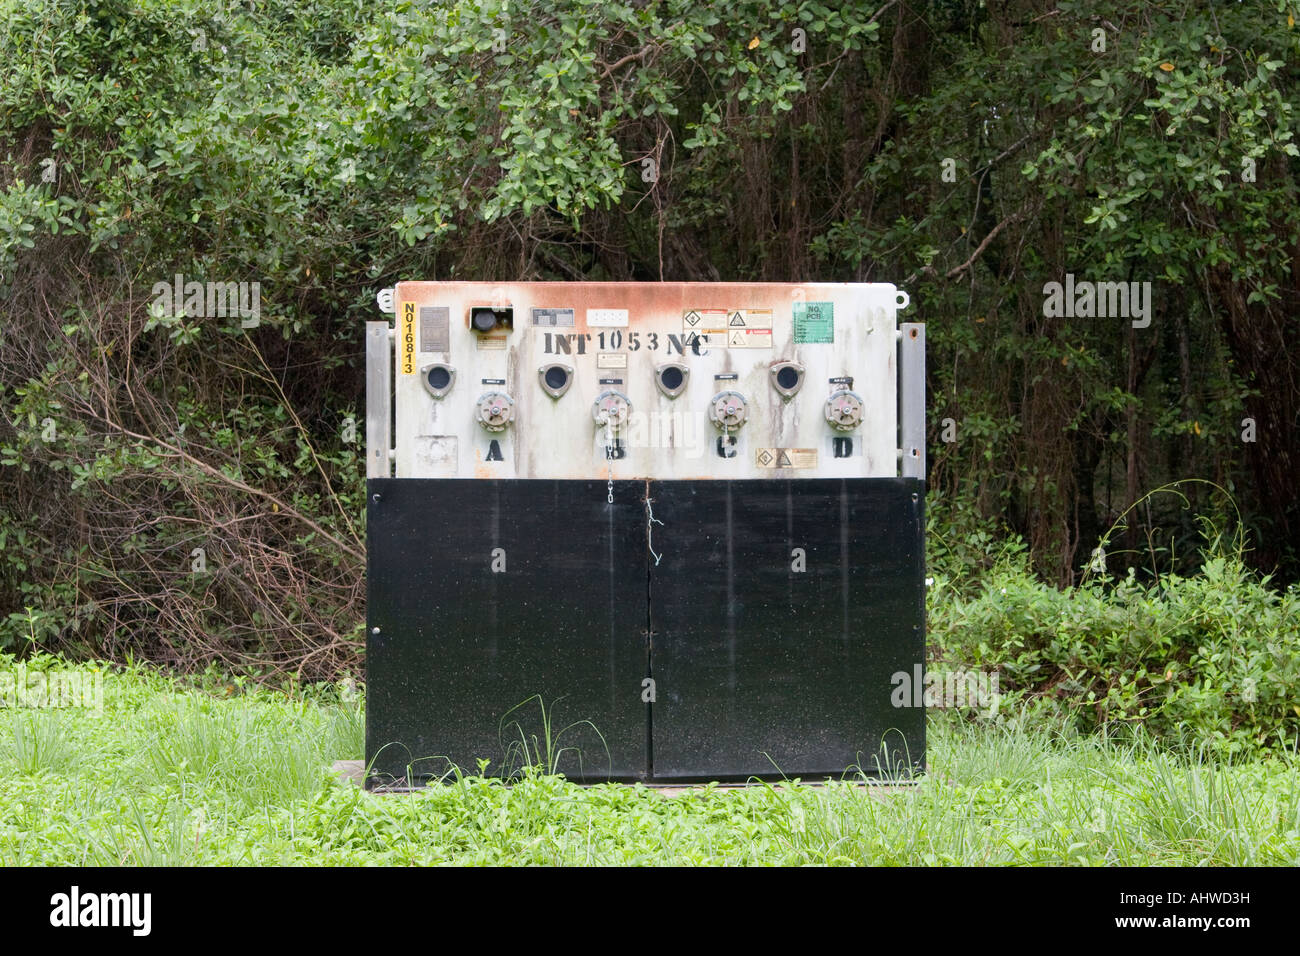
814,322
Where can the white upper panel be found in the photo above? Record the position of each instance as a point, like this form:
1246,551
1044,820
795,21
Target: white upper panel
617,338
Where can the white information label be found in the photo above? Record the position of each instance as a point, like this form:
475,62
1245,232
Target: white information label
606,318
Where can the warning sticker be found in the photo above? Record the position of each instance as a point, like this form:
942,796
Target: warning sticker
814,322
491,341
749,339
749,319
611,360
731,328
705,321
786,457
435,334
407,352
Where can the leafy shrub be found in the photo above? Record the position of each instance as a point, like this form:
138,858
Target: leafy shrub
1206,660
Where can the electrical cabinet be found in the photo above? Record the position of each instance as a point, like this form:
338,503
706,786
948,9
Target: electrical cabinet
644,531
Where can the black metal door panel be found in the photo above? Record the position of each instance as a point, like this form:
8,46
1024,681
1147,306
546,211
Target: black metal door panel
463,648
772,661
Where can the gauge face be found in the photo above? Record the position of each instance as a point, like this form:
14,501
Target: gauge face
555,379
844,410
495,410
611,409
438,379
787,378
671,378
728,409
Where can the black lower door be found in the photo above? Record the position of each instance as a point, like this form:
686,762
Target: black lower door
507,624
527,622
782,614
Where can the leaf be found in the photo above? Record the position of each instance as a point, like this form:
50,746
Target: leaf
754,42
1167,67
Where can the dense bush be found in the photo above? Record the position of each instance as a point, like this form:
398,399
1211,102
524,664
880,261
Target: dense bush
1204,660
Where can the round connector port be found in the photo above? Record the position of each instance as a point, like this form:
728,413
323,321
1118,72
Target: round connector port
787,378
555,379
671,378
437,379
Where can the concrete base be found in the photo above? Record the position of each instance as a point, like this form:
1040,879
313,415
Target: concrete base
354,771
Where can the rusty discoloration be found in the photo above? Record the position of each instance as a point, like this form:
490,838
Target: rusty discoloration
557,437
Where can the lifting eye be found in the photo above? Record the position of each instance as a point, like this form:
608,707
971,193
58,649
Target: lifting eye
438,379
787,378
671,378
555,379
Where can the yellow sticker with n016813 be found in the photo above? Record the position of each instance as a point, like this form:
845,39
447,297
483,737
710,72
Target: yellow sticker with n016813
407,339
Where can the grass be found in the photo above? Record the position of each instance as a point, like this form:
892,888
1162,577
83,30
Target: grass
176,776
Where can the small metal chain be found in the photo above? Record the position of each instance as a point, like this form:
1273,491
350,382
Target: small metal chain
609,457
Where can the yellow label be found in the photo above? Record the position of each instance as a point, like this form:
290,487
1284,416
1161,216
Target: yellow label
407,361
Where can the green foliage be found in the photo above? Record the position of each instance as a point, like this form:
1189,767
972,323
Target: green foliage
1201,661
